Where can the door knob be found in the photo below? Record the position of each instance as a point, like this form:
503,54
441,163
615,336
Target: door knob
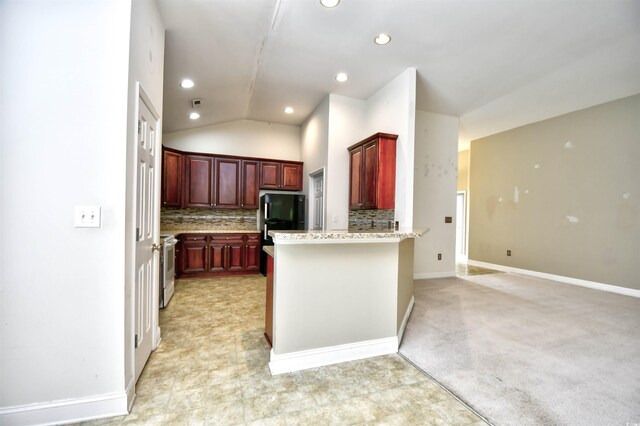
155,247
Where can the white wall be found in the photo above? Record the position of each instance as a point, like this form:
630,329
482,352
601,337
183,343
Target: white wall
64,96
390,110
314,136
347,119
393,110
146,66
243,137
435,189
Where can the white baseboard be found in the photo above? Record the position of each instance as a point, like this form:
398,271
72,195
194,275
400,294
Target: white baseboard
561,279
403,325
295,361
131,393
432,275
65,411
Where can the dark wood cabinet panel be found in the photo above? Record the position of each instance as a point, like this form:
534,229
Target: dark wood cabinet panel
249,187
252,253
194,253
268,317
355,181
227,183
291,176
206,255
171,179
373,172
269,175
198,190
285,176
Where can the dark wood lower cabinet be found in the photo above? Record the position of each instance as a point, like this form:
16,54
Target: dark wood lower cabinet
268,317
207,255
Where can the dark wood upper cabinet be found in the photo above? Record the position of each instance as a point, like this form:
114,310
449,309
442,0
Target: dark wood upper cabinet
269,175
171,179
372,174
291,176
249,185
227,183
285,176
198,182
223,181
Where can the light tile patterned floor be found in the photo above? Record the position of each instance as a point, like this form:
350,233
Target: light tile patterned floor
463,269
211,369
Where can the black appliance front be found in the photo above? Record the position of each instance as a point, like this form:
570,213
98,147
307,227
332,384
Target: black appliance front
279,212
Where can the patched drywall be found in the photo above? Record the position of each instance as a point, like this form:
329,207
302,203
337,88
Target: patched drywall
562,194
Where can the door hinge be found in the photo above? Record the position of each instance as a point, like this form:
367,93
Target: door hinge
135,342
139,126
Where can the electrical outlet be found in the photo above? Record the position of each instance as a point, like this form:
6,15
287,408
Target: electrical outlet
508,252
87,217
439,256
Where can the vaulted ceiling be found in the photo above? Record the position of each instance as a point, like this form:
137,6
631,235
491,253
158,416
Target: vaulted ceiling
494,63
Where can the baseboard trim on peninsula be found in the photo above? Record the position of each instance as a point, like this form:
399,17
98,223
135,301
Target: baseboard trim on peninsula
432,275
405,320
295,361
66,411
559,278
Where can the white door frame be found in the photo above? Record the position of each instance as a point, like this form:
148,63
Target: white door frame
310,202
462,257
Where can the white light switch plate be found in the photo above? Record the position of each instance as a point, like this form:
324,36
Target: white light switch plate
87,217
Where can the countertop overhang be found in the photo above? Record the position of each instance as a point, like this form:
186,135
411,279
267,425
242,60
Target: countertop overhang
343,236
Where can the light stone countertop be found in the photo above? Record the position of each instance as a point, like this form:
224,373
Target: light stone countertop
269,250
344,236
208,231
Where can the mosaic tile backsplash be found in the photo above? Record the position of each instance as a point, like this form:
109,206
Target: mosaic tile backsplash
371,220
208,219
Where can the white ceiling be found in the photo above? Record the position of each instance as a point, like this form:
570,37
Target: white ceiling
494,63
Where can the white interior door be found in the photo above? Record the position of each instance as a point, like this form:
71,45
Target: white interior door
146,281
317,203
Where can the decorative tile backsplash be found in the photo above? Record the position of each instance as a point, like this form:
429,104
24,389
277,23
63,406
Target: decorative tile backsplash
371,220
208,219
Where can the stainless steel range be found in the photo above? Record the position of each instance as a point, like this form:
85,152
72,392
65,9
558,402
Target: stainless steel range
167,268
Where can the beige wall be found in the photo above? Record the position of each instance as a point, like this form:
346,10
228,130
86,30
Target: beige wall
562,194
463,170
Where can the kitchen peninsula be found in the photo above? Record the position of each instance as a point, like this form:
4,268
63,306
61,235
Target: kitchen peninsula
337,296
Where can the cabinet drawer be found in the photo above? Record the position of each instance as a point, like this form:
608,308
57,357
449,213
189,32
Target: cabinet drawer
194,238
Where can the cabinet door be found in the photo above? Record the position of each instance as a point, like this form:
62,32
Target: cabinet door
370,175
217,247
355,179
194,254
249,187
227,183
269,175
198,189
291,176
171,179
252,252
235,253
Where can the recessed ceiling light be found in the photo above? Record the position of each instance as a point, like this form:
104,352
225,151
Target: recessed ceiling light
187,84
329,3
288,110
342,77
194,115
382,38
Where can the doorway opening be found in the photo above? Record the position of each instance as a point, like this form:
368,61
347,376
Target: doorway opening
316,200
461,227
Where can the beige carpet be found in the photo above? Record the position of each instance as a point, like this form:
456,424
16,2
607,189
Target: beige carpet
526,351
